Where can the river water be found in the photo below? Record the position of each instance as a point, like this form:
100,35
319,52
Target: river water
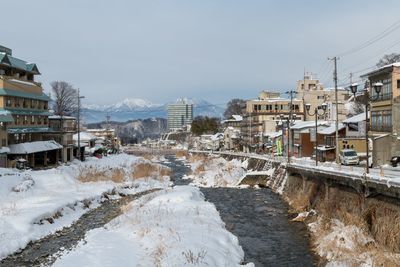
258,217
260,220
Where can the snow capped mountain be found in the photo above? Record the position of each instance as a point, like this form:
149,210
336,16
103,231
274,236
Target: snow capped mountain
128,104
136,108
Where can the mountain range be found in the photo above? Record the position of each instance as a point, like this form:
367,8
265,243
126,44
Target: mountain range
136,108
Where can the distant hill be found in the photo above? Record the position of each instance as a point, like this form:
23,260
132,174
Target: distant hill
136,108
134,131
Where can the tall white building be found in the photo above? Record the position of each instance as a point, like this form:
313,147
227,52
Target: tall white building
180,114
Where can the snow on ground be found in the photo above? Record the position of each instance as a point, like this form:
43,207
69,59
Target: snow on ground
175,227
217,172
28,198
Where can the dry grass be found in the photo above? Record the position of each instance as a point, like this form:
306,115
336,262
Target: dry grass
193,258
197,157
384,224
148,156
181,154
147,169
116,175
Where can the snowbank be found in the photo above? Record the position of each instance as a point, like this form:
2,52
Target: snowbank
171,228
217,172
29,198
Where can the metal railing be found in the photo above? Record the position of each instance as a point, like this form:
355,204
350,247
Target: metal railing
382,97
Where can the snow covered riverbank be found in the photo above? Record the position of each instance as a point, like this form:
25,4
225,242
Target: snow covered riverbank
34,204
175,227
215,171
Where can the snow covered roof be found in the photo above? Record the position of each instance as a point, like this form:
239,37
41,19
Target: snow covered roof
57,117
273,134
331,129
5,116
272,100
217,136
33,147
4,149
84,136
237,117
298,125
356,118
396,64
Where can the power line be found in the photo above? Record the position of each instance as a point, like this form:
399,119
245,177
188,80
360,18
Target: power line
373,40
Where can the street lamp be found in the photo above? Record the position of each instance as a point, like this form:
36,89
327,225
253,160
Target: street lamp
367,99
282,129
323,108
286,122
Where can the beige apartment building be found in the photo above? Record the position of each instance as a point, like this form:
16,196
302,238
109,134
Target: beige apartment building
264,114
311,91
385,113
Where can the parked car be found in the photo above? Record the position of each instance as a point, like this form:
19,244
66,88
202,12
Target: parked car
349,157
395,160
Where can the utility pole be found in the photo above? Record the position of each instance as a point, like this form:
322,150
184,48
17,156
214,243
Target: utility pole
289,121
78,154
335,79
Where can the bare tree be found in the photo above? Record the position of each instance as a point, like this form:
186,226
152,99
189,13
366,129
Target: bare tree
66,98
235,107
388,59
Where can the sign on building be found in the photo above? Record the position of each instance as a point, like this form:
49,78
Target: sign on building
313,136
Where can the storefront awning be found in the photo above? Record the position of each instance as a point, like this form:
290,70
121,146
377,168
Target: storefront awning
33,147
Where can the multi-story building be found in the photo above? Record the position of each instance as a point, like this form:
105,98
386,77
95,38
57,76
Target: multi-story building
312,92
62,131
180,115
25,108
264,114
385,112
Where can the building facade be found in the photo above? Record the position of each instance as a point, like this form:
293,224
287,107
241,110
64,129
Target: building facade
62,131
263,114
25,107
180,115
312,92
385,112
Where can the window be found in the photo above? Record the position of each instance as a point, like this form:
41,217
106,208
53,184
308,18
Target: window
398,84
25,119
33,120
3,142
8,102
320,97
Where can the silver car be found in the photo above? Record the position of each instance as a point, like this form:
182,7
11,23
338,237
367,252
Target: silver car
349,157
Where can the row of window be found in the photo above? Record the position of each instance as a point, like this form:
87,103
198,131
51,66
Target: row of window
30,120
274,107
381,120
387,91
19,102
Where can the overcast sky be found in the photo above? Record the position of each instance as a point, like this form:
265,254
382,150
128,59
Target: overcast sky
203,49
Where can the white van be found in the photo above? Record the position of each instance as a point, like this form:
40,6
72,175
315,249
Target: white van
349,157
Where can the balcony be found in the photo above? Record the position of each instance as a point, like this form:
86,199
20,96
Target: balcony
383,97
381,128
